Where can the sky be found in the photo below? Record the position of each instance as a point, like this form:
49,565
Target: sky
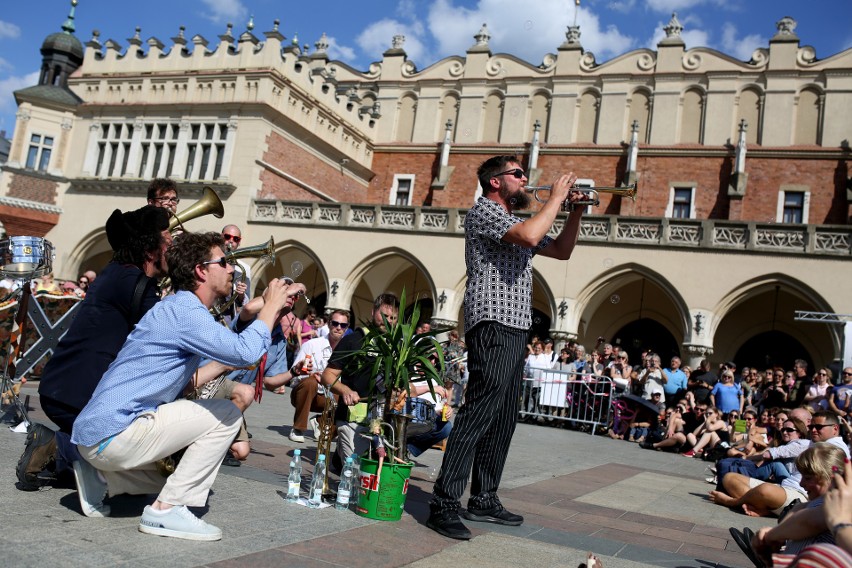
359,32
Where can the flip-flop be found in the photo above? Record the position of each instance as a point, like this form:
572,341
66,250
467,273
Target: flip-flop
745,545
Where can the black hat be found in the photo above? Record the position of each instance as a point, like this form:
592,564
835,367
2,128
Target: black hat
121,227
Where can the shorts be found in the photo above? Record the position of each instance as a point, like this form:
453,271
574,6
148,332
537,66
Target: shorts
791,495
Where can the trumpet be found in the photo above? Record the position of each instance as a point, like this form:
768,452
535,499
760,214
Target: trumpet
592,192
209,204
265,251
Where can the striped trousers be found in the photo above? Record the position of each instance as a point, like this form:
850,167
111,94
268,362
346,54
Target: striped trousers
486,421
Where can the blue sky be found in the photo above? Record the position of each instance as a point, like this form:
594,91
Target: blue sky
360,31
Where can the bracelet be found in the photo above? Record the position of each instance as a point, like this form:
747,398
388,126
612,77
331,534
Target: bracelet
839,526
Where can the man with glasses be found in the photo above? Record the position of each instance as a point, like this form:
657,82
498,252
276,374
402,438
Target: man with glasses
162,192
306,393
499,248
233,237
135,418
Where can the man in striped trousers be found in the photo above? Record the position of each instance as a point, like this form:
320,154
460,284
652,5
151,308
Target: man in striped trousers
497,310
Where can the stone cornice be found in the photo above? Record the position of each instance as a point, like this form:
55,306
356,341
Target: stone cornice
137,187
32,205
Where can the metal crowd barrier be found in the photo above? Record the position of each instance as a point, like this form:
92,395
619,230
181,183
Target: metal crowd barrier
568,397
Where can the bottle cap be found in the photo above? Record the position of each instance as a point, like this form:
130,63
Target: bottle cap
322,457
349,459
297,452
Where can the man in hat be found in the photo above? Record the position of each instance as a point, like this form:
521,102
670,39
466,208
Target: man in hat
126,289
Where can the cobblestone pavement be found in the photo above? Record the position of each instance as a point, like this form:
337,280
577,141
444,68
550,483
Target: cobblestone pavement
577,492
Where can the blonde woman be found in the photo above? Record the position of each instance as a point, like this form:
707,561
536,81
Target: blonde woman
817,397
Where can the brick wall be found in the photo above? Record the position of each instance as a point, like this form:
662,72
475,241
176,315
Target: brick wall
32,188
26,222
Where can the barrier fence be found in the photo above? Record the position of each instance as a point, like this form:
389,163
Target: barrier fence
568,397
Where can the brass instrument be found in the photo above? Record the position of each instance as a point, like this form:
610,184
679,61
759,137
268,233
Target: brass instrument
568,205
209,204
265,251
325,425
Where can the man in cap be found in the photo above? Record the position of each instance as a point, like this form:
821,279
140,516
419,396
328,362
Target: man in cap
125,291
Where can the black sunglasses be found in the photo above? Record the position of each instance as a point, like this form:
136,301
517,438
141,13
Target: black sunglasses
223,262
788,430
340,324
819,427
518,173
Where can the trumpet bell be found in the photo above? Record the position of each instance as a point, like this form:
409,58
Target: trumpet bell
209,204
265,251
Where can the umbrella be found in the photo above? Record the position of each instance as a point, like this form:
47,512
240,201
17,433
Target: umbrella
635,401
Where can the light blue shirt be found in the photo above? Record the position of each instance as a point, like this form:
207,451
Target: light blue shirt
677,380
276,361
159,359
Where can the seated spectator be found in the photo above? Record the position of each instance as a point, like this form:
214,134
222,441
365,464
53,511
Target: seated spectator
707,434
674,436
758,498
806,524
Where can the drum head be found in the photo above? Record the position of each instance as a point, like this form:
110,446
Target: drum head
25,257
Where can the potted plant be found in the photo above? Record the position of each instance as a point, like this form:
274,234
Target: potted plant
394,358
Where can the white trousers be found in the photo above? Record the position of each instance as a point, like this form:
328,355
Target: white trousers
205,428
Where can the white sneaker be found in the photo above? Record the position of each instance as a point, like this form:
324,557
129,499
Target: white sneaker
90,489
177,522
314,424
296,436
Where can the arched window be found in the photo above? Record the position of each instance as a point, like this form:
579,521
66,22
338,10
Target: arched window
541,113
493,118
587,125
749,109
640,110
405,118
807,118
449,111
692,117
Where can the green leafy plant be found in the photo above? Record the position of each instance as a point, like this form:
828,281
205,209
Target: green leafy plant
397,356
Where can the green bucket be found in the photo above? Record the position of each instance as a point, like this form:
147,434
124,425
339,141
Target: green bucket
382,497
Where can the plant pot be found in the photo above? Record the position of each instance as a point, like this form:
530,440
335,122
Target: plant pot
382,495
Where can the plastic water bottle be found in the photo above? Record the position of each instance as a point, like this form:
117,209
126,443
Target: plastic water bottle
344,489
315,497
356,480
294,480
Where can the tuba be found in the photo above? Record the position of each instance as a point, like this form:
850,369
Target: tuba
264,251
209,204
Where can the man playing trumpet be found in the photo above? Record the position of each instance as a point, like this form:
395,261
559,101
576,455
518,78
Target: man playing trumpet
134,419
497,315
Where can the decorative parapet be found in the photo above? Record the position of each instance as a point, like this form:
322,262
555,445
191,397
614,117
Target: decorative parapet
721,235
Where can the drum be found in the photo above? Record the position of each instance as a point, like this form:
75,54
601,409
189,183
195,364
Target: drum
25,257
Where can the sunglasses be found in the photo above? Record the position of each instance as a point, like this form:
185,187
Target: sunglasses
847,374
234,238
788,430
517,173
340,324
223,262
751,418
819,427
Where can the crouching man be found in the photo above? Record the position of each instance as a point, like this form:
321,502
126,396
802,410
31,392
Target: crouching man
134,418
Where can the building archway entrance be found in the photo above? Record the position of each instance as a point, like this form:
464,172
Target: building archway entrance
646,334
769,349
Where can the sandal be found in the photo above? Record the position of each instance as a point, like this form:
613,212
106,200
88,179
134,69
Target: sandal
745,545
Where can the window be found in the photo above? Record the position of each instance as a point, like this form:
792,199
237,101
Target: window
38,156
680,203
402,189
206,150
793,206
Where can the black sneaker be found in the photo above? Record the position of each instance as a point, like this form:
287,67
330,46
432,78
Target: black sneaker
39,455
230,460
496,514
448,524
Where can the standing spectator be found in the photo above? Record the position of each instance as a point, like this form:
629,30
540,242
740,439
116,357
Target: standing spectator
701,381
652,378
675,387
802,383
817,397
83,283
726,395
840,399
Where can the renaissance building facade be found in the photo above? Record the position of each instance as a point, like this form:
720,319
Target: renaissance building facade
363,177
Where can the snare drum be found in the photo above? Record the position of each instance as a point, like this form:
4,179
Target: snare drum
25,257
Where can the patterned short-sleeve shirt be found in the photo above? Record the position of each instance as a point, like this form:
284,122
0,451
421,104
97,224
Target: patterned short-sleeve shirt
499,274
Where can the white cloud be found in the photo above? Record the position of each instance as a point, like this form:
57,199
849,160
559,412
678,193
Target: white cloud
5,65
8,30
377,37
340,52
741,48
10,84
669,6
530,34
624,6
232,11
